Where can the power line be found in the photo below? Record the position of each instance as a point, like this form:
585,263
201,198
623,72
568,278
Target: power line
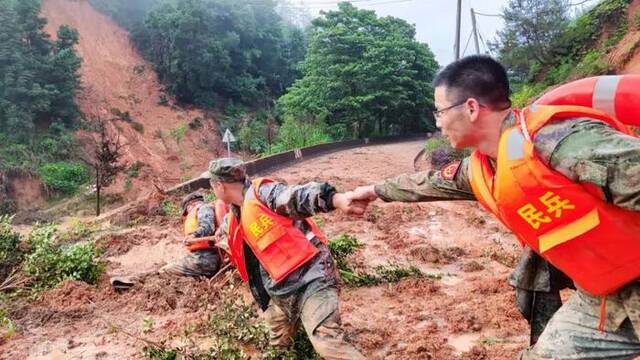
492,15
334,3
467,45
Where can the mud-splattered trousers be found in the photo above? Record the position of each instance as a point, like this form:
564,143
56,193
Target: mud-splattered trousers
200,263
309,295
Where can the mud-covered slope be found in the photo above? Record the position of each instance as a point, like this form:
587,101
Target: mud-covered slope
115,78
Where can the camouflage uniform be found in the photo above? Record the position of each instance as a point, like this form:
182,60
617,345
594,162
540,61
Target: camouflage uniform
309,295
584,150
198,263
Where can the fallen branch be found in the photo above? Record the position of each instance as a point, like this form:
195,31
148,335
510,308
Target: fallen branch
15,280
217,275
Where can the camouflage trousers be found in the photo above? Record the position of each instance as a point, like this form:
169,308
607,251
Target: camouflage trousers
199,263
572,333
320,318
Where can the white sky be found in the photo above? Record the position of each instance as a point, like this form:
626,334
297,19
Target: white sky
435,20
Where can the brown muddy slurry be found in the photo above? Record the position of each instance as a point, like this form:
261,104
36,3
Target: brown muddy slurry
463,310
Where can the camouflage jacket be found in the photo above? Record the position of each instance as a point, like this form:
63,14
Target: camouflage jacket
206,221
583,149
296,202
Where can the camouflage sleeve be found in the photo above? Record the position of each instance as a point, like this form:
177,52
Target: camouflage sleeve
587,150
223,234
298,201
206,224
428,186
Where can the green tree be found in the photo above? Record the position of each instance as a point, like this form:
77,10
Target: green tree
38,84
364,75
531,28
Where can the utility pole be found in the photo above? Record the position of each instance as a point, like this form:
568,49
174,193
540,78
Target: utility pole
457,44
475,31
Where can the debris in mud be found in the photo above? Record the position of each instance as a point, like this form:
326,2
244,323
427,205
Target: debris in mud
432,254
472,266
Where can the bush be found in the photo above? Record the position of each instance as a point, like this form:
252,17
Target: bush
7,327
119,115
163,100
63,177
439,152
137,127
48,263
295,134
170,209
10,253
527,92
134,170
637,20
178,133
592,64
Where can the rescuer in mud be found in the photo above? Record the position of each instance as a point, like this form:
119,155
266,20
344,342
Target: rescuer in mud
283,255
566,180
201,220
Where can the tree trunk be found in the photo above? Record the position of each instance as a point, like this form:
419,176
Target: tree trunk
97,193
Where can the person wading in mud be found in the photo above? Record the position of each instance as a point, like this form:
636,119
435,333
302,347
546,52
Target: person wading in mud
283,255
201,220
566,181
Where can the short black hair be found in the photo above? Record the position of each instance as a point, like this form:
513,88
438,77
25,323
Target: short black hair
477,76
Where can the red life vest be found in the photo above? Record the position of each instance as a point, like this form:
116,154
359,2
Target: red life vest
280,247
569,224
191,223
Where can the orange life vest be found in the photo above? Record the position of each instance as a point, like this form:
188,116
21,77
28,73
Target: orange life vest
280,247
191,223
569,224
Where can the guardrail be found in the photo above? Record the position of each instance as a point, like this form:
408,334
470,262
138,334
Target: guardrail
286,158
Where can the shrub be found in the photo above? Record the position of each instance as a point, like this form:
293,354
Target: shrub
178,133
439,152
526,92
63,177
163,100
300,133
134,170
137,127
170,209
10,253
48,263
592,64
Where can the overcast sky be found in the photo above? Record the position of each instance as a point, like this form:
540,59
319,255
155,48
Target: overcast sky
435,20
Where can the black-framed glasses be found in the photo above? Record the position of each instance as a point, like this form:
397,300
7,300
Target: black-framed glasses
438,113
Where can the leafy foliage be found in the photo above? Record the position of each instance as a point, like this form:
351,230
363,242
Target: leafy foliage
364,75
346,245
209,51
531,27
37,88
63,177
439,152
570,48
10,253
48,263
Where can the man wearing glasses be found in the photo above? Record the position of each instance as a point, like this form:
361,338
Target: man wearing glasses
556,177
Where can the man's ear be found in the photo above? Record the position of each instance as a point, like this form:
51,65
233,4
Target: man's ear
473,109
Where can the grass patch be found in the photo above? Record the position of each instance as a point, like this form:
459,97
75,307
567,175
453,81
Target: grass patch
170,208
